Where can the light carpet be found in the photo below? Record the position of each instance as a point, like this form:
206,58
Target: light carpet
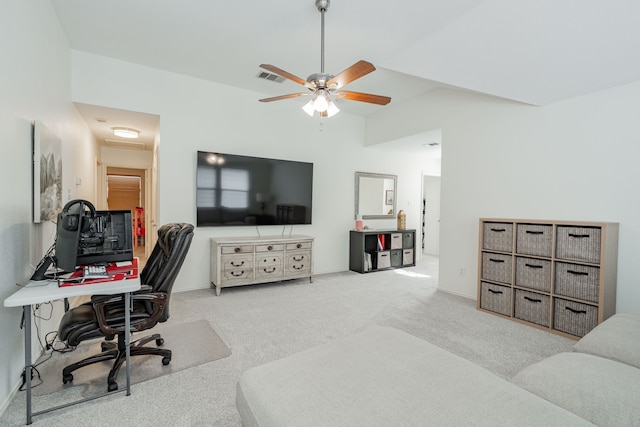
191,344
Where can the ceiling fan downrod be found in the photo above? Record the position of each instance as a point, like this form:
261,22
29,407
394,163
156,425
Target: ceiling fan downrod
322,6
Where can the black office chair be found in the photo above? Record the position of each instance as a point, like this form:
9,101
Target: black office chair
104,315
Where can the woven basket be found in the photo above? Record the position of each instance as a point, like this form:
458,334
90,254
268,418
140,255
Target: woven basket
573,317
496,267
497,236
533,273
495,298
532,307
577,281
578,244
534,239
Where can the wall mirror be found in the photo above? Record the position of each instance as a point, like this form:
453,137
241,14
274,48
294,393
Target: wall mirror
375,195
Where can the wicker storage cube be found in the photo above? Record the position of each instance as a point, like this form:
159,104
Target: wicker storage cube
496,267
495,298
533,273
497,236
396,257
407,256
574,318
532,307
407,240
578,243
534,239
396,240
577,281
384,259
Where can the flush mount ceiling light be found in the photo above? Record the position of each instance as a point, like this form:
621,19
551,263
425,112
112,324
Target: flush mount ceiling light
323,87
126,133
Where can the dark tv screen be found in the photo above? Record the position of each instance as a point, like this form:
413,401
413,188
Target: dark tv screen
234,190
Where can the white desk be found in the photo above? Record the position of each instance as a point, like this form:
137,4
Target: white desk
44,291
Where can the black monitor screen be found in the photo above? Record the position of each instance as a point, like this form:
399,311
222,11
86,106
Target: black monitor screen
234,190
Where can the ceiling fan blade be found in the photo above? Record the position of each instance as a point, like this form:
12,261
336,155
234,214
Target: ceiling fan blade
278,98
285,74
357,70
363,97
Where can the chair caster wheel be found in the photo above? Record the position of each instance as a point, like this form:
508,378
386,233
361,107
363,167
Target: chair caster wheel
160,341
166,360
112,387
67,378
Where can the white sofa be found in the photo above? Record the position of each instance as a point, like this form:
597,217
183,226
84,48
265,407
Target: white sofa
386,377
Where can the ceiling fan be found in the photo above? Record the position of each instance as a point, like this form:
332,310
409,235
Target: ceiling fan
325,88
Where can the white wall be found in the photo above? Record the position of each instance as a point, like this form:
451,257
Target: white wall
572,160
34,85
201,115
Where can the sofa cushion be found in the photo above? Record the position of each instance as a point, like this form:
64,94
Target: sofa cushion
599,390
386,377
617,338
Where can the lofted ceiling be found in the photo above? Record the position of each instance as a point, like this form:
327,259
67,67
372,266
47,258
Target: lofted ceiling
535,52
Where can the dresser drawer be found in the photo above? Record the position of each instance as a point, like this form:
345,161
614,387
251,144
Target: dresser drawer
497,236
273,247
269,259
496,267
269,272
237,261
236,249
533,273
534,239
298,245
532,307
396,258
236,275
495,298
577,281
298,262
578,244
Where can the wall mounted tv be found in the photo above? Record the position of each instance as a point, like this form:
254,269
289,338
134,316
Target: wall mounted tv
233,190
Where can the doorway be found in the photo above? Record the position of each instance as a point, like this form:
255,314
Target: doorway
126,190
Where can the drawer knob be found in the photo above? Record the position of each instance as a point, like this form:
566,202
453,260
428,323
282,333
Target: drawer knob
240,264
269,248
494,292
299,245
532,299
237,273
236,250
576,311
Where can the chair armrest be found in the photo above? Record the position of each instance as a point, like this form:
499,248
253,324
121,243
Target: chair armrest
102,303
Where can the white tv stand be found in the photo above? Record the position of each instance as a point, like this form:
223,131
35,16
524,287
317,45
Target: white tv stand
238,261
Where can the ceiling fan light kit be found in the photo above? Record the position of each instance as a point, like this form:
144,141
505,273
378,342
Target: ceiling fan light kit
325,88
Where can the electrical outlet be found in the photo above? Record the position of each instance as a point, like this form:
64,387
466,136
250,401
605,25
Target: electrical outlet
462,271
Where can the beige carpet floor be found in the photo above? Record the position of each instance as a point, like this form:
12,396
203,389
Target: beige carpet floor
191,344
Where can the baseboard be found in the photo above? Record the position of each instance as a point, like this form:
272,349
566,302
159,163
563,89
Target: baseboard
447,291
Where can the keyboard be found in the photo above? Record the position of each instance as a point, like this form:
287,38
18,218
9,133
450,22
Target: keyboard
95,271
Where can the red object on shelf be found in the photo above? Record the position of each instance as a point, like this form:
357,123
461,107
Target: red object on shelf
116,270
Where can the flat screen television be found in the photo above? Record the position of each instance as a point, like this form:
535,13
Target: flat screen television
234,190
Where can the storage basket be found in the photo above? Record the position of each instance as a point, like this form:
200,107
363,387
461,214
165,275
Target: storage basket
496,267
533,273
577,281
495,298
573,317
532,307
534,239
497,236
578,244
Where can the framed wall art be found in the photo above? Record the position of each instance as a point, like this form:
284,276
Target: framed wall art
47,174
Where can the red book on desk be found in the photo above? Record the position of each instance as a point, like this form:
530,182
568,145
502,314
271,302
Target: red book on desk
122,270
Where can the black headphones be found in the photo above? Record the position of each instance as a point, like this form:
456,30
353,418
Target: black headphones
71,220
